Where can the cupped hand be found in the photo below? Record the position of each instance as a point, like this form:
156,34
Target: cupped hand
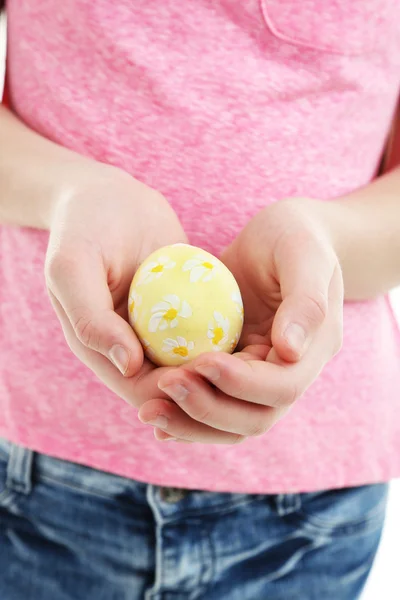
102,228
287,269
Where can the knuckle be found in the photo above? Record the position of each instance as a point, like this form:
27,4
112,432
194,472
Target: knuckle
202,414
317,307
186,434
199,408
58,265
258,430
86,331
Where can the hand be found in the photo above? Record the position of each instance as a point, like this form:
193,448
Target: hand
101,229
290,278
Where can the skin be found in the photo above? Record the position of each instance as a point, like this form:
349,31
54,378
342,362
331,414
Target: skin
295,262
292,289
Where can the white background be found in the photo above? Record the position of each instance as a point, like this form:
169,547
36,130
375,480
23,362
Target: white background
384,582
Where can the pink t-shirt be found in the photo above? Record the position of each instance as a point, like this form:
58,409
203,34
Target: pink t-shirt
225,107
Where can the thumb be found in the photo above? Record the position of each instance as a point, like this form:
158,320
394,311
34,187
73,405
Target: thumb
80,285
304,273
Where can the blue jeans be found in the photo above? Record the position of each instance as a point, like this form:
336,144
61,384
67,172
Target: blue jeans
68,532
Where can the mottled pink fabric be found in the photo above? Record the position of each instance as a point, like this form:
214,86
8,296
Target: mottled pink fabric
224,106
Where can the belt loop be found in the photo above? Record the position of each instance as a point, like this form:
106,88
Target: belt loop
287,503
19,469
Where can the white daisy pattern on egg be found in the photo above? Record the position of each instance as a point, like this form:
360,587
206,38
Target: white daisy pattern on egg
202,268
147,348
166,313
237,299
218,331
135,300
155,269
179,346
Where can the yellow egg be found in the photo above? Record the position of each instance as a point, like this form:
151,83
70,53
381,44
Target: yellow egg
182,302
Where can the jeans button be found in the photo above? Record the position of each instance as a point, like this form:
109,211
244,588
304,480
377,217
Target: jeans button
171,495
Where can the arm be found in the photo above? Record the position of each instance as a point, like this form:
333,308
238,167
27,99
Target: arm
98,218
366,227
367,232
35,173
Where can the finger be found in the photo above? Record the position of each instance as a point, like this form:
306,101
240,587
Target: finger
173,422
80,285
259,381
134,390
304,266
210,406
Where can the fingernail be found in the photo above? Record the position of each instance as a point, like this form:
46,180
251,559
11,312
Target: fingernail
160,421
296,337
211,373
165,438
177,392
120,357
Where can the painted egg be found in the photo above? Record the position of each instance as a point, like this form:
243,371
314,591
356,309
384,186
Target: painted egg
182,302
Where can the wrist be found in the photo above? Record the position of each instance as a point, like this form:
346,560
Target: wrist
364,231
73,181
345,231
340,225
332,218
36,174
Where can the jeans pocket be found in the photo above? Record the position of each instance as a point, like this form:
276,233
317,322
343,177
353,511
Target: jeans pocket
339,26
344,511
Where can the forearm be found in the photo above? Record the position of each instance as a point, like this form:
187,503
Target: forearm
35,173
366,226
